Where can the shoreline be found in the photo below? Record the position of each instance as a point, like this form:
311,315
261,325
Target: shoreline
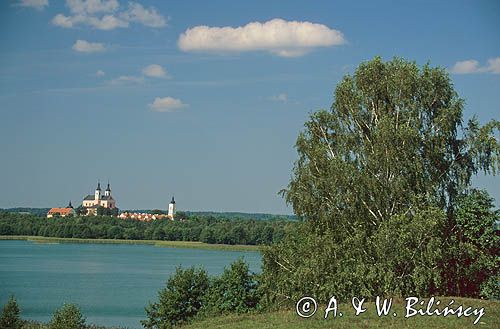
156,243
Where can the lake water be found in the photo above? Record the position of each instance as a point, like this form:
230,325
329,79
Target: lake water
111,283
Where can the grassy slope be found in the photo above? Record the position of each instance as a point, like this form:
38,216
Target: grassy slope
288,319
157,243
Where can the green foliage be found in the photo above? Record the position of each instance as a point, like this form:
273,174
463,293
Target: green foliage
67,317
476,220
190,293
407,250
473,258
81,211
179,301
196,228
10,318
234,291
378,180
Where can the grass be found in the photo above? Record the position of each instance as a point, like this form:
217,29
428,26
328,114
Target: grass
156,243
288,319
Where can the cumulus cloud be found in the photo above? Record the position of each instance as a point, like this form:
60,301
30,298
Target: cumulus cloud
149,17
280,37
473,66
37,4
465,67
154,71
106,15
166,104
106,22
100,73
62,21
92,6
494,65
88,47
279,98
126,79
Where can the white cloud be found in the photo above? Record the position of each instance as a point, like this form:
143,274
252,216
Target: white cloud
149,17
92,6
167,104
106,22
88,47
494,65
280,37
154,71
62,21
473,66
37,4
279,98
100,73
105,15
126,79
466,67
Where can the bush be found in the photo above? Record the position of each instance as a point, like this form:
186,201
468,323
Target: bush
234,291
67,317
179,301
473,265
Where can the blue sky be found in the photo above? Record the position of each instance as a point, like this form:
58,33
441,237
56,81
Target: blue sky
155,98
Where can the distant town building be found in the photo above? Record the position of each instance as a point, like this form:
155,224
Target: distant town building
92,202
143,217
62,212
171,209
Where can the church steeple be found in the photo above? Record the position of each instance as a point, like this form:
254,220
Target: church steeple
97,195
70,205
171,208
108,191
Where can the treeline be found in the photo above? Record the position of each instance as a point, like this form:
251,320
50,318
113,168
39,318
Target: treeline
192,228
42,212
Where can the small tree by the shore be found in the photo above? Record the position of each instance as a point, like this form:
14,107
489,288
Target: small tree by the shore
67,317
10,318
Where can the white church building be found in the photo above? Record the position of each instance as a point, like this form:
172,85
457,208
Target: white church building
92,202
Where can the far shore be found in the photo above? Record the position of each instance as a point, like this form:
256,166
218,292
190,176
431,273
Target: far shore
156,243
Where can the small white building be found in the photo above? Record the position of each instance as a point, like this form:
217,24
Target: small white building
171,209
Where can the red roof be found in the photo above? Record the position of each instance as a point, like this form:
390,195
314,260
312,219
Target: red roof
62,211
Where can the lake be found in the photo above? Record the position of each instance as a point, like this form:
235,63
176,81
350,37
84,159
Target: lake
111,283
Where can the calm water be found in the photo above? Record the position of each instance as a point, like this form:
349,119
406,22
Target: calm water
111,283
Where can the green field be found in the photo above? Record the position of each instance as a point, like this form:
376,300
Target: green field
156,243
288,319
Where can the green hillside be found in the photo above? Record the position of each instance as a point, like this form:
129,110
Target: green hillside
288,319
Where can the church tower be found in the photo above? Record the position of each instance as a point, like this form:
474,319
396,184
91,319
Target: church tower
171,208
98,192
108,191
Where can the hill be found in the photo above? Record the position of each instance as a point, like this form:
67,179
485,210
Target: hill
288,319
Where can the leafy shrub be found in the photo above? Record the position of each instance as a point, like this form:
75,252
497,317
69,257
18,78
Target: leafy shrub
179,301
234,291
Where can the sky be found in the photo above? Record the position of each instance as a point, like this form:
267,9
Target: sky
204,100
